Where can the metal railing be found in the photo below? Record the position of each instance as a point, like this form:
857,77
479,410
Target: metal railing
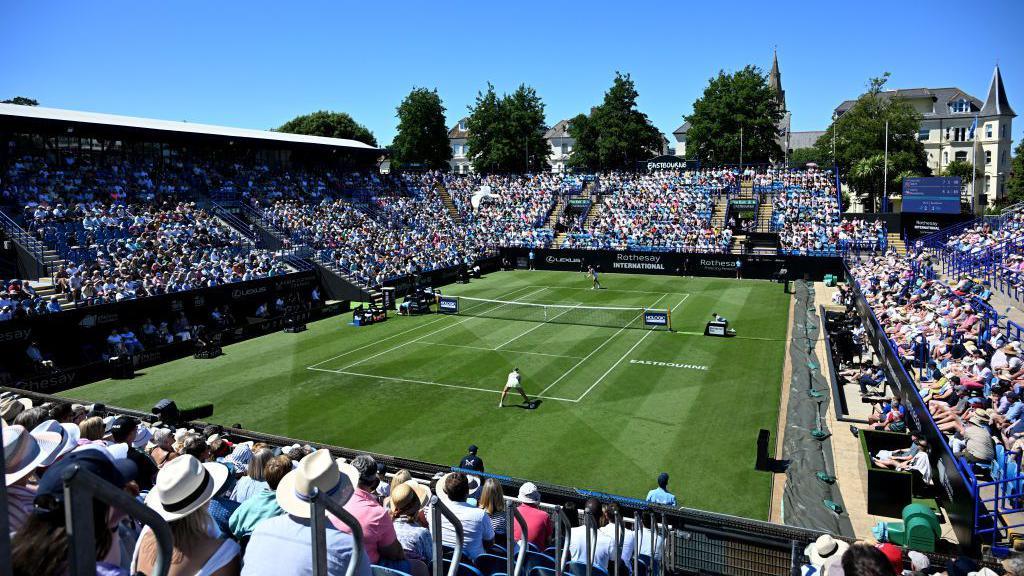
80,488
319,505
27,242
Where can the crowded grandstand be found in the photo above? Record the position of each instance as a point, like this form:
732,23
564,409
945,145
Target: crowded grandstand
251,352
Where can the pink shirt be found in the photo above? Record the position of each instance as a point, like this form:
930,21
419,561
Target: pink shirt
378,529
538,525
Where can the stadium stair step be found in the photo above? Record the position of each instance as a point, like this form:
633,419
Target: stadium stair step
592,214
897,243
556,212
446,199
557,242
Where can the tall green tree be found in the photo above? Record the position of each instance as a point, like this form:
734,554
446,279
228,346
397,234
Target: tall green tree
961,168
329,125
730,102
21,101
860,144
422,134
1015,185
616,134
506,133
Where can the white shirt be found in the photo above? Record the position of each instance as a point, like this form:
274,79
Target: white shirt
513,380
476,528
602,547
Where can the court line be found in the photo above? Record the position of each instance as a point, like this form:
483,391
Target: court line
623,357
601,345
429,383
442,329
496,350
539,325
607,290
375,342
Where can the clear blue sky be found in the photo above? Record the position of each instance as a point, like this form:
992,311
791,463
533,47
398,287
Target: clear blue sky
256,64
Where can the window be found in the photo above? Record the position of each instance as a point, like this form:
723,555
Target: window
945,157
988,156
961,156
960,134
1002,131
959,106
565,148
462,125
988,182
988,130
922,135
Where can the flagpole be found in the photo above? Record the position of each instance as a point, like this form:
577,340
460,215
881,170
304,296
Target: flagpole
885,168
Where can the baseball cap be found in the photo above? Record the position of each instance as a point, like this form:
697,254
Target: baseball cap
472,448
50,493
123,425
529,493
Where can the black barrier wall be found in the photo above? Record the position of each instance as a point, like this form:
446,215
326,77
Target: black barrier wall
758,266
955,490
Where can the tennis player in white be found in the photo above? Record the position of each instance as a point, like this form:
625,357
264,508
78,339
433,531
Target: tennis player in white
514,382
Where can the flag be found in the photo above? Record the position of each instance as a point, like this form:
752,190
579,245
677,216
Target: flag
974,126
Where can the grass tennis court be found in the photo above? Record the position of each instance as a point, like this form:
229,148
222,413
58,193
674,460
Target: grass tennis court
618,405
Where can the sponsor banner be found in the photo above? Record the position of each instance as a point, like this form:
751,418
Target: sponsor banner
448,305
656,318
720,265
579,202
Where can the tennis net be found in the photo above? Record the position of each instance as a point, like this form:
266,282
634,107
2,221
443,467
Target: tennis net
608,316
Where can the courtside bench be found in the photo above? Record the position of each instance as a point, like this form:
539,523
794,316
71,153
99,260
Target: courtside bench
888,490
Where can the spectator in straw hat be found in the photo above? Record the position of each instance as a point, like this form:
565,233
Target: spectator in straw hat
406,501
11,407
283,544
24,452
823,550
181,496
379,538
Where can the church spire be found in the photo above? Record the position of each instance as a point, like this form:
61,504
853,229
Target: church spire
996,103
775,79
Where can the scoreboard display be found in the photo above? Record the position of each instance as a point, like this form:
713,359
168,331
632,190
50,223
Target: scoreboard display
937,195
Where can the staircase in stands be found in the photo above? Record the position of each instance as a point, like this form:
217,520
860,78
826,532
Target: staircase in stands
896,242
446,198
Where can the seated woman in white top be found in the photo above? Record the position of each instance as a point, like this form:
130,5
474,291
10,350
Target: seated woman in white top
181,495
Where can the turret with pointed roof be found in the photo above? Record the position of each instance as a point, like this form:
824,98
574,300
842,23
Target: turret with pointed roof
996,103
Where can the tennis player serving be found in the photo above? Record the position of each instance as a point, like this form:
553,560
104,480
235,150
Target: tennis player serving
514,382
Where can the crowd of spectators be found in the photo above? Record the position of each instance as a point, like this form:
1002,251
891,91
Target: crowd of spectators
243,507
967,371
504,210
668,211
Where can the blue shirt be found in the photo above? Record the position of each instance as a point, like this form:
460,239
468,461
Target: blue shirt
284,545
661,496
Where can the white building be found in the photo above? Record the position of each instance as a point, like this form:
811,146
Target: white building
457,136
947,115
561,146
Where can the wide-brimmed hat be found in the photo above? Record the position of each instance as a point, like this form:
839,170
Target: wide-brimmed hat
317,470
24,451
403,495
474,485
142,437
823,549
183,485
11,407
981,417
69,435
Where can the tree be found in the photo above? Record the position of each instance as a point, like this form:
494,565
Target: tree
506,133
961,168
616,135
329,125
804,156
731,102
1015,185
21,101
422,134
860,143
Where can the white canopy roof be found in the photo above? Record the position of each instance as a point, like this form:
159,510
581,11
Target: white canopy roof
57,114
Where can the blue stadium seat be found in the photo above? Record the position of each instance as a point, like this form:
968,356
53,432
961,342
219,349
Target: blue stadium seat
384,571
490,564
